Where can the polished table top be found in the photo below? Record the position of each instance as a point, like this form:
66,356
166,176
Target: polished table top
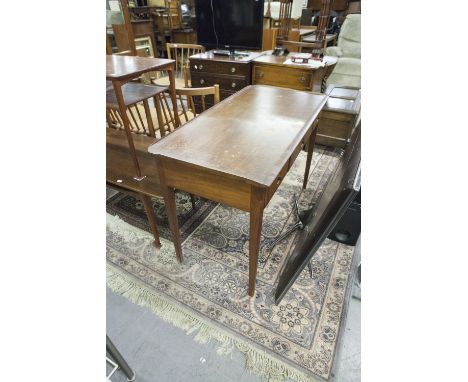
124,67
250,135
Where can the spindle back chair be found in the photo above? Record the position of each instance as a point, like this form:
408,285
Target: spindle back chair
181,53
187,99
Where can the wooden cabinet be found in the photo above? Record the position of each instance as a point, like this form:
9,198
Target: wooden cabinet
230,73
272,70
339,116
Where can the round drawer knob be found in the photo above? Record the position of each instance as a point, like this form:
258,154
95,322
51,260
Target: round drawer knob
202,81
233,70
260,74
302,79
233,85
200,67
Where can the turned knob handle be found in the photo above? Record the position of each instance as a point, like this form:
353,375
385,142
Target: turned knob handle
202,81
302,79
200,66
233,70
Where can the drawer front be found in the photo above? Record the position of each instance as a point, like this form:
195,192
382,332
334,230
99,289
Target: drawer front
218,67
338,116
281,76
334,128
271,191
228,83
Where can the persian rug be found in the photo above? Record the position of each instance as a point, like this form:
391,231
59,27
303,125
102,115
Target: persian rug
207,294
132,211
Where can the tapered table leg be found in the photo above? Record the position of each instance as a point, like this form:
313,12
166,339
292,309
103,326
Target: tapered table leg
126,124
169,200
171,211
257,205
310,149
151,218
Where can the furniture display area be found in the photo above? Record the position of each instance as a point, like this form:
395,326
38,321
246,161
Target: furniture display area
348,52
238,130
274,70
339,116
237,153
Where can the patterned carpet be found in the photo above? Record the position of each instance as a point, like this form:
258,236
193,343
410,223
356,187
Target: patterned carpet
296,339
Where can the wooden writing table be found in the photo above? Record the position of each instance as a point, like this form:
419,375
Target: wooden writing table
122,69
237,153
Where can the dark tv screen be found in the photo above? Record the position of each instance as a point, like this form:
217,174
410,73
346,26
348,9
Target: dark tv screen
236,24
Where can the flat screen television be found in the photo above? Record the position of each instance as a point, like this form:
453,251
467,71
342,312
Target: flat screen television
230,24
339,193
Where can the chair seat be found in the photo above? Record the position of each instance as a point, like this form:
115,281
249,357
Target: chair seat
164,81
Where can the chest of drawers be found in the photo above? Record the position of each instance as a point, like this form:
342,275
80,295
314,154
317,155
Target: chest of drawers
230,73
272,70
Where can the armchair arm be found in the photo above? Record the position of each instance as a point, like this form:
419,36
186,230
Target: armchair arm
334,51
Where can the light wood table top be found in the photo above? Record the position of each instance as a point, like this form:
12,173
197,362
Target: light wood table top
250,135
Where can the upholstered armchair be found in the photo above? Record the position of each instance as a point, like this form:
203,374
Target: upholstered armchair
347,71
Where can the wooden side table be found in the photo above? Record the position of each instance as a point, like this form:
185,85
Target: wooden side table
121,70
272,70
339,116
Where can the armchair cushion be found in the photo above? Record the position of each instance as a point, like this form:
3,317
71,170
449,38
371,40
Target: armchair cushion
350,36
334,51
347,72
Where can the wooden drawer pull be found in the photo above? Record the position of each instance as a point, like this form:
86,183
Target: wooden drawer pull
200,66
260,74
233,70
233,85
302,79
202,81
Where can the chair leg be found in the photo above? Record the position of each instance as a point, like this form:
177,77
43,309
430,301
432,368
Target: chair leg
193,200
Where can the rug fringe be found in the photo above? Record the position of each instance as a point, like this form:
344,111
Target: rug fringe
257,361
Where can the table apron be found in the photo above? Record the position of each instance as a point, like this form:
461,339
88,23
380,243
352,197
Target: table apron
235,193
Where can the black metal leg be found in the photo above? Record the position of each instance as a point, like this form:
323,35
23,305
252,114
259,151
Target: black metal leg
300,224
115,354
